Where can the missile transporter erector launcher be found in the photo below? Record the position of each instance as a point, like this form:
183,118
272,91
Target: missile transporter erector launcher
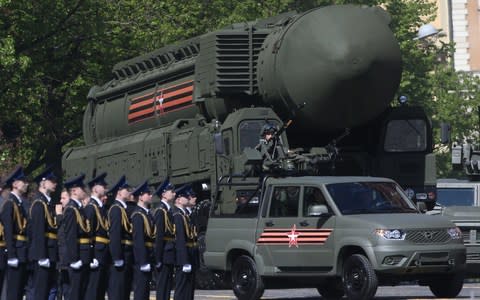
193,111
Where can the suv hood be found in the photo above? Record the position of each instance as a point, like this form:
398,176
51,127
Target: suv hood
394,221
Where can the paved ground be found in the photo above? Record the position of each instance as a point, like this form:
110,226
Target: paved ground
470,291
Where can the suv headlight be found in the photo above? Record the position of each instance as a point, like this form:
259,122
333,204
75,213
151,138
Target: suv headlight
455,233
391,234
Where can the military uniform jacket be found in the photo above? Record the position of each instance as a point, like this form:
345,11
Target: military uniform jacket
42,230
97,217
185,239
143,235
164,251
120,231
77,234
14,220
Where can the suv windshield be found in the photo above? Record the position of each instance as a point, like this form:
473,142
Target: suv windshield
369,197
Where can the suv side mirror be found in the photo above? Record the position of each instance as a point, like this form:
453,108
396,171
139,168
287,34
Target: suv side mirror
218,140
317,210
445,133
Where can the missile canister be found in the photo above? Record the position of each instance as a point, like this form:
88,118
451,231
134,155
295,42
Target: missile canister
341,62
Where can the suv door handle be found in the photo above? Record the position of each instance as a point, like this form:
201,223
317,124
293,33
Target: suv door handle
269,224
304,223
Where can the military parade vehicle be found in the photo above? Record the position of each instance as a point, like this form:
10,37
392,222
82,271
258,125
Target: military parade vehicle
193,111
459,201
341,235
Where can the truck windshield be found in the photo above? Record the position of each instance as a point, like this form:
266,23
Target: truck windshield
455,196
369,197
406,136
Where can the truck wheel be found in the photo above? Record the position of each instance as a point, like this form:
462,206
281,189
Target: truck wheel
359,278
205,278
331,289
448,286
247,284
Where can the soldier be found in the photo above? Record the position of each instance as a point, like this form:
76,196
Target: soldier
14,219
143,231
120,233
97,216
270,147
43,249
77,238
164,251
64,281
3,253
185,242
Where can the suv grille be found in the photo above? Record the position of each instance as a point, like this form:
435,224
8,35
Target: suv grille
433,236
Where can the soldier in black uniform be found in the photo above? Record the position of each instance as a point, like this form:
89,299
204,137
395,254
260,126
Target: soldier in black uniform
14,219
120,234
185,244
143,235
77,238
164,251
96,214
3,249
270,147
43,250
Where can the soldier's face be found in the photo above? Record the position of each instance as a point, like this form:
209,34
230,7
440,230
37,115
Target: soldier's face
146,198
20,186
79,193
181,200
64,198
100,190
49,185
169,195
123,194
192,200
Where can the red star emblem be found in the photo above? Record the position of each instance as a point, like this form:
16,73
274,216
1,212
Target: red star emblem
292,236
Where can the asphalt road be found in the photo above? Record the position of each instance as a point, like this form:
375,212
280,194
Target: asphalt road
470,291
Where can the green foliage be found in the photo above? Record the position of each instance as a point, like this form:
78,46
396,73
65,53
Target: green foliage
53,51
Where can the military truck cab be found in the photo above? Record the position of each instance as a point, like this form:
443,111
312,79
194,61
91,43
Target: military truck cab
341,235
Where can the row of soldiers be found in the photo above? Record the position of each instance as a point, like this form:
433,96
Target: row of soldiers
99,250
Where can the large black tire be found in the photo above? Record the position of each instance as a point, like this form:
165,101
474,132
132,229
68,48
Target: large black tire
206,279
359,279
331,289
447,286
247,284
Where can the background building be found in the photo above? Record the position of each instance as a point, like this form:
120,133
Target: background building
460,22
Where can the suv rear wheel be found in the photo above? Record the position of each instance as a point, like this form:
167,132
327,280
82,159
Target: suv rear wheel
331,289
359,279
448,286
247,284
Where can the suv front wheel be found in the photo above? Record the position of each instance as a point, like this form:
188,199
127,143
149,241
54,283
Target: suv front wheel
246,282
447,286
359,279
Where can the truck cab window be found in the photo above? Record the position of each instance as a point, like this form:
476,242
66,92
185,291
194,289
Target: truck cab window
285,201
406,136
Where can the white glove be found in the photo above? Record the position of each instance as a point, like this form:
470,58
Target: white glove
187,268
94,264
12,262
118,263
145,268
76,265
45,263
158,265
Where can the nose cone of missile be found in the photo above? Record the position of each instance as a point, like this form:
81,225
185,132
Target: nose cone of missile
343,61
